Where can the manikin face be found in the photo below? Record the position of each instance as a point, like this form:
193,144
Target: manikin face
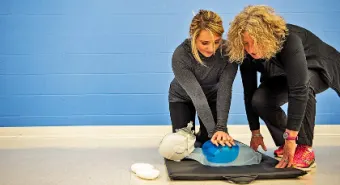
248,43
205,43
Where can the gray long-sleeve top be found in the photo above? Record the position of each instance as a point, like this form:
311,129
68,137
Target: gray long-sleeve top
201,84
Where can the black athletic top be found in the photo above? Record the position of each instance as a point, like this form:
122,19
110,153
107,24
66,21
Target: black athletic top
199,84
301,51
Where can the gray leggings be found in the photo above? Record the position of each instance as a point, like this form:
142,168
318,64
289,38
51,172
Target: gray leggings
270,96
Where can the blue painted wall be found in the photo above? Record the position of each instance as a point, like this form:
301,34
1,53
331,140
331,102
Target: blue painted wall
107,62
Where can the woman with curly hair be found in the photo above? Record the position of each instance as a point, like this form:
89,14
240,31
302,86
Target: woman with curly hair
203,80
295,65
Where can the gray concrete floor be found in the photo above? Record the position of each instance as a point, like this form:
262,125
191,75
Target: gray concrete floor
107,161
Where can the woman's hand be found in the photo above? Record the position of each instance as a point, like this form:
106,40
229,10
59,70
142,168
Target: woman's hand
288,151
257,140
222,138
288,154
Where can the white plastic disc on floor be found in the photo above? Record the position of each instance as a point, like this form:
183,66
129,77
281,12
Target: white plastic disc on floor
145,171
148,174
142,166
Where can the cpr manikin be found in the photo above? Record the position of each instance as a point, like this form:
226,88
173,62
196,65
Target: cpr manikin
180,145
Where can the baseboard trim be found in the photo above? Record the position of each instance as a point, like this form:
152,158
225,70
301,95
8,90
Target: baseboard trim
129,131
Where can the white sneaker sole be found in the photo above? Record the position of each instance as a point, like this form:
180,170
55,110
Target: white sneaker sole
278,156
313,165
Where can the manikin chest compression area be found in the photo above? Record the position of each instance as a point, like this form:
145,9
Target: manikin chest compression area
180,145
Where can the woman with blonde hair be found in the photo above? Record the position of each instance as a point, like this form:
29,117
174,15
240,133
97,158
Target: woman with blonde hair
203,80
295,65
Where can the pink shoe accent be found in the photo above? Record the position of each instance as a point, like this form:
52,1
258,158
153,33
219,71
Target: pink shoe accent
304,157
279,152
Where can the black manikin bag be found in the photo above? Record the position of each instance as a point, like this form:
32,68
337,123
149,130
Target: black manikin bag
189,169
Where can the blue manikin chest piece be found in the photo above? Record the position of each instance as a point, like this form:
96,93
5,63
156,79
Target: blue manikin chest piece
219,154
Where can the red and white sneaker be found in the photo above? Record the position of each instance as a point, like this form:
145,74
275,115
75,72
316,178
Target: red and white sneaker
279,152
304,158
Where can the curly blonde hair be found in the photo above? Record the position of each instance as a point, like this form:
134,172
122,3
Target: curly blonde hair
267,29
204,20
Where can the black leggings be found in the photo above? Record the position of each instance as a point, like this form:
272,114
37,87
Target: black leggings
182,113
268,98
